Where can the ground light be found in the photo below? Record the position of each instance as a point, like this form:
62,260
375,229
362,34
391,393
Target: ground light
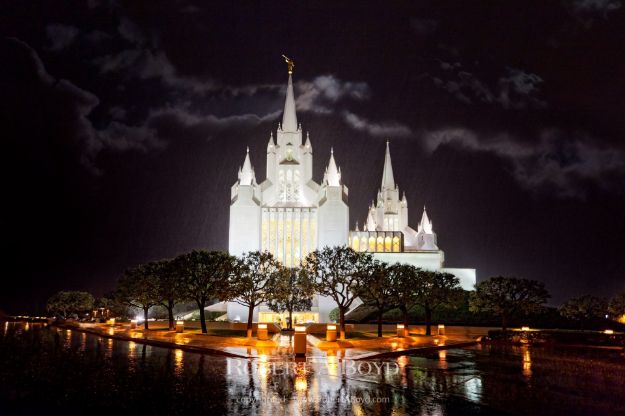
180,326
262,332
299,343
331,333
401,330
525,328
441,329
608,331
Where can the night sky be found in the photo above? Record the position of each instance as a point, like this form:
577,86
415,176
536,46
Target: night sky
125,124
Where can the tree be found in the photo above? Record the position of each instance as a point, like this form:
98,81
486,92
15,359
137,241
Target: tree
617,306
252,281
508,296
336,272
111,305
138,288
67,303
291,291
205,276
377,289
170,287
435,289
404,280
584,308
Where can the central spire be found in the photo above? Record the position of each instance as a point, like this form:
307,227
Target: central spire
289,118
388,181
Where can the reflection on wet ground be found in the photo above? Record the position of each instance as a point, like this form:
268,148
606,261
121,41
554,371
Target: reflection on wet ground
102,375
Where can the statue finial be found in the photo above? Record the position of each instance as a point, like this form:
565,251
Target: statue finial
290,64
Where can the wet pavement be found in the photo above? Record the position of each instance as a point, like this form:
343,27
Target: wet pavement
77,373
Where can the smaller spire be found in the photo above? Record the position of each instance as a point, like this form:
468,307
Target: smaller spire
272,144
307,144
357,229
388,181
426,224
246,175
333,175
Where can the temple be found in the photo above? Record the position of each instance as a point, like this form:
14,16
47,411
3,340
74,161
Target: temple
290,215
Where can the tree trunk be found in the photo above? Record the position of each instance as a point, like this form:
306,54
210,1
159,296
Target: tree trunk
200,305
145,317
380,313
428,320
250,316
170,311
342,322
290,323
404,311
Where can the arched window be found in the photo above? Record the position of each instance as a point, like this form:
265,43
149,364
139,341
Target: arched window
396,246
380,247
356,244
363,244
387,244
371,244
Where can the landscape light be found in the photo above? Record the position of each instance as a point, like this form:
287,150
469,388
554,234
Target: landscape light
332,327
300,328
525,328
262,326
608,331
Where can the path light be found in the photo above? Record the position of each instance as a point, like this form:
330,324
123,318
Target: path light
401,330
525,328
262,333
133,324
331,332
608,332
299,344
179,326
441,329
110,321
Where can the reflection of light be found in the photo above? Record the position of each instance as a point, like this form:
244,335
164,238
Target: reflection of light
393,346
442,358
527,363
436,341
608,331
27,326
403,361
263,367
333,368
111,331
132,346
178,357
300,383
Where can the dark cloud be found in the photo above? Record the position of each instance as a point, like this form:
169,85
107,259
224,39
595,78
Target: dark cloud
556,162
514,89
60,36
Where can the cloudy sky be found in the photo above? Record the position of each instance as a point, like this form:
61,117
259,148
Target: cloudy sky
125,123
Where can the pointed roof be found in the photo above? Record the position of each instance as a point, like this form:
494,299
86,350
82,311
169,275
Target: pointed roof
272,144
426,224
307,144
388,181
246,176
289,118
333,174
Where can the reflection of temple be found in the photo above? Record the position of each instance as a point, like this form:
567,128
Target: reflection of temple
291,215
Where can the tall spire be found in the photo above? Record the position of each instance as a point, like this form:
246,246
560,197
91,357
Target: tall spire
271,145
289,118
333,175
388,181
247,176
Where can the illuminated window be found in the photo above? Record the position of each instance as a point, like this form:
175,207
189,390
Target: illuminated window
387,244
371,244
396,246
363,244
380,246
356,243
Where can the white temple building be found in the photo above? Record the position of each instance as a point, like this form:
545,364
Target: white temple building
291,215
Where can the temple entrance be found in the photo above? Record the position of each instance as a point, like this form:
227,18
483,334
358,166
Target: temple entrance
282,318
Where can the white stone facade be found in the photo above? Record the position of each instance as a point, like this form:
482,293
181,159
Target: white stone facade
291,215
